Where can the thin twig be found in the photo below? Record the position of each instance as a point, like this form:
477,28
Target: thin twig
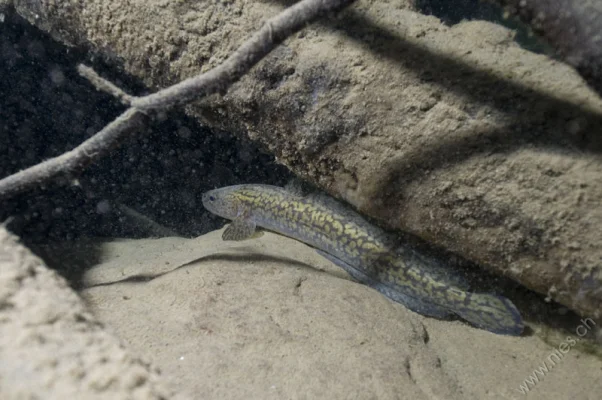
220,78
89,151
145,223
104,85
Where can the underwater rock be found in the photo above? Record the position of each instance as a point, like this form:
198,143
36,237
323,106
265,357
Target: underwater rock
454,134
574,28
51,346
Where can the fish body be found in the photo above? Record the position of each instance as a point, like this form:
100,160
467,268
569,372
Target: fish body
365,251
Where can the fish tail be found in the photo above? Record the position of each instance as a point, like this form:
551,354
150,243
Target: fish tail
493,313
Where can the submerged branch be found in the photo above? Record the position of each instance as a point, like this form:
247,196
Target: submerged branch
273,32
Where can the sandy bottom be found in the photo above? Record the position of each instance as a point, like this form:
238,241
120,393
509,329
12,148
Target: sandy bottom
271,319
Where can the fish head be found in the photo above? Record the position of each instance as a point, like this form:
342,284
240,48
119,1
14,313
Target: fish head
222,202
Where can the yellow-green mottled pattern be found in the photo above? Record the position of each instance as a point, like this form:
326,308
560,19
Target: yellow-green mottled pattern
372,254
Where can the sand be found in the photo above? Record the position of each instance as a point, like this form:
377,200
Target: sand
269,318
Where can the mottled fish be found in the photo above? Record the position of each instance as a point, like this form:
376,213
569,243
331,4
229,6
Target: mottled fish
369,254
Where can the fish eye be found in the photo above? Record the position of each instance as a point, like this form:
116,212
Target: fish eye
211,198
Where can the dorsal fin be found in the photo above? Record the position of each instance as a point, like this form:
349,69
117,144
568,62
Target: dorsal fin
298,187
433,266
333,204
323,198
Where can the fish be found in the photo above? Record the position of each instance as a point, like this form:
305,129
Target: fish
365,251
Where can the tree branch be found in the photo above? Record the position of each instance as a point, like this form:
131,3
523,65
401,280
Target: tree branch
273,32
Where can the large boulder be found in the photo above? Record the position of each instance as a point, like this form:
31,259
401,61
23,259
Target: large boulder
454,134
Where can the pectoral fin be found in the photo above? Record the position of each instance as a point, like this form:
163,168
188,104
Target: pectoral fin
241,229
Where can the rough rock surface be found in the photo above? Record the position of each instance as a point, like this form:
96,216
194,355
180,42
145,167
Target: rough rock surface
271,319
574,29
454,134
51,346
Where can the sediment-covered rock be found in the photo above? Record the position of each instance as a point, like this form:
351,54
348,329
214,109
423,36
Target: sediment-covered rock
454,134
51,347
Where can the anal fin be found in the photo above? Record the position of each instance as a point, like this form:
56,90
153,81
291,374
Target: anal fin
494,313
417,305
